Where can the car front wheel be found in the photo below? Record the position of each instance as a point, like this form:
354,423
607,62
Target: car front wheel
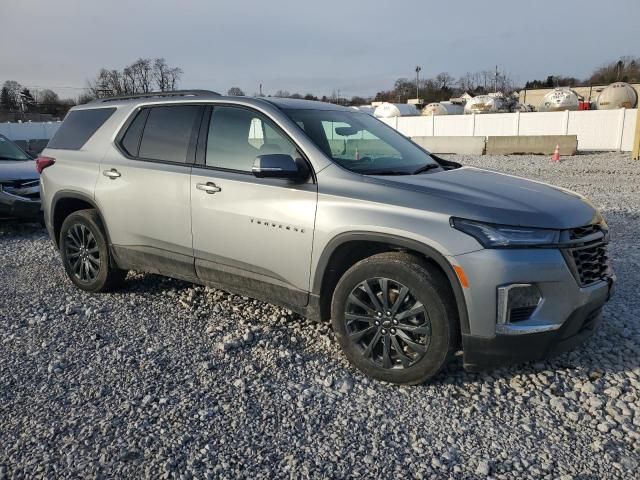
394,318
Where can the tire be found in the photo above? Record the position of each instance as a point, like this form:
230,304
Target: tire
85,253
419,333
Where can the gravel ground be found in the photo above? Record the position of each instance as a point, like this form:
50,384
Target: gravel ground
167,379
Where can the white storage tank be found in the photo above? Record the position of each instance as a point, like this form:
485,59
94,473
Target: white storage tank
442,108
559,99
366,109
617,95
390,110
486,104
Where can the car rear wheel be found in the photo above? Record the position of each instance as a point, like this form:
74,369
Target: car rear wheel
394,318
85,254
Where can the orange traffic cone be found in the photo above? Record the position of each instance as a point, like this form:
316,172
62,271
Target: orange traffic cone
556,154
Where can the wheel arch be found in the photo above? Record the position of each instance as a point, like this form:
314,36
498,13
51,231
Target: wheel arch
64,203
346,249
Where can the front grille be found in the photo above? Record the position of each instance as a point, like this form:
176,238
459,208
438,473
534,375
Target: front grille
21,183
582,232
520,314
591,263
27,189
588,260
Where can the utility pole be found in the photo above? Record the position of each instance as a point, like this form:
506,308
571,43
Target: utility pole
418,68
495,84
261,91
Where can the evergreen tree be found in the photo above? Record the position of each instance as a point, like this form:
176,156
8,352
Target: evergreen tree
6,102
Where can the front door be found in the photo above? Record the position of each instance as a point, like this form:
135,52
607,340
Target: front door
252,234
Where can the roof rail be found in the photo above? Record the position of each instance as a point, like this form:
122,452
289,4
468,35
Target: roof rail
172,93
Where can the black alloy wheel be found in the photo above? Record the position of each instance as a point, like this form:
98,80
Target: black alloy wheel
86,255
389,324
82,252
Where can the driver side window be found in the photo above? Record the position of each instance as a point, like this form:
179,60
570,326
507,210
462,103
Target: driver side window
237,135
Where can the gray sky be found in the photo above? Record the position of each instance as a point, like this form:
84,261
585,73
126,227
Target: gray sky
356,46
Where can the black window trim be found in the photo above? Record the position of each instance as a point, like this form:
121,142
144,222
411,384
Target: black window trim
200,160
191,147
145,112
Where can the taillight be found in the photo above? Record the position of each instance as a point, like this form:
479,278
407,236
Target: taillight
44,162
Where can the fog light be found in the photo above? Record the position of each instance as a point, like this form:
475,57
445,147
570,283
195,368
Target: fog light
517,302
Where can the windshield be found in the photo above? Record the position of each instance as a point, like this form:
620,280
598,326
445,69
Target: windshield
359,142
10,151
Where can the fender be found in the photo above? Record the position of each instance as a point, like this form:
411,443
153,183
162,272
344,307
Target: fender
63,194
402,242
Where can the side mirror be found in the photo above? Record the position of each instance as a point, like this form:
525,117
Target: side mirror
279,165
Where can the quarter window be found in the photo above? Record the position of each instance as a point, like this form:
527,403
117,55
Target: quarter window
78,127
167,133
131,140
237,136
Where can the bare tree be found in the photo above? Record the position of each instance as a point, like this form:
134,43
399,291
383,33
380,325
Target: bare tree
174,74
142,76
85,98
235,92
626,69
467,82
108,83
444,80
101,85
129,80
161,74
11,94
48,101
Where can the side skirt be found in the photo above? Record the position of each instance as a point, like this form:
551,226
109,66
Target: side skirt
230,279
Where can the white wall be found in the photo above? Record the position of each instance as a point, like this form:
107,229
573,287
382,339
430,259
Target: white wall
595,129
29,130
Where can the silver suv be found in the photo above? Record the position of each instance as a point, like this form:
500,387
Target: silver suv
333,214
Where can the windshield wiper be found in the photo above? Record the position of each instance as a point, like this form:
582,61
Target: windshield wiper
425,168
385,172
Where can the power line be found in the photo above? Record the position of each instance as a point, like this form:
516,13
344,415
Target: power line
54,86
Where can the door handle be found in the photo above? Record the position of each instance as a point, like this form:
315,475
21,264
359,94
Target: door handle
112,174
208,187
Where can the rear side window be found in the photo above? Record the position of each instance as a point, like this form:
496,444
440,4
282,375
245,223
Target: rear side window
78,127
168,131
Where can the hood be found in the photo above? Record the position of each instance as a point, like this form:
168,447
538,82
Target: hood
494,197
18,170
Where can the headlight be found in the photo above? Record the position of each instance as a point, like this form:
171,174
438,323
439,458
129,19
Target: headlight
501,236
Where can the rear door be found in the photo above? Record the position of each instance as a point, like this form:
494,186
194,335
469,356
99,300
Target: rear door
252,234
143,189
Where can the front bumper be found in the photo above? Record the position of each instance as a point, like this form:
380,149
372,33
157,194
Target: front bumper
566,315
483,353
13,206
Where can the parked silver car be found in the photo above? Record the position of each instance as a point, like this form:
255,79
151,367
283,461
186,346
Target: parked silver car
330,212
